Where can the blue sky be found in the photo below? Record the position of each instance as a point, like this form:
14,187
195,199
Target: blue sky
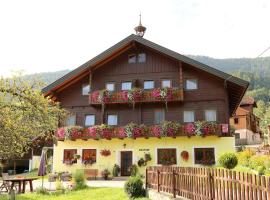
38,36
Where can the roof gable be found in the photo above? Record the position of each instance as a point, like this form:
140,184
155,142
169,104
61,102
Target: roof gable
236,85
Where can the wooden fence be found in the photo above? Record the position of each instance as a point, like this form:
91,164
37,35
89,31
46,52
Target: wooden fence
207,183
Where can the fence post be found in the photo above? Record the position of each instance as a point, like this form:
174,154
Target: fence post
158,172
211,184
146,178
174,183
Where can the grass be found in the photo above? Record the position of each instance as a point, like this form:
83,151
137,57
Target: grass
90,193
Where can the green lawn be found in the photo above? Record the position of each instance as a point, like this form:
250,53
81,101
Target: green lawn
91,194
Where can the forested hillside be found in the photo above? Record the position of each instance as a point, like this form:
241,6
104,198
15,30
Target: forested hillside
254,70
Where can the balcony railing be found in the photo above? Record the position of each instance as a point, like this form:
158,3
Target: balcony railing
132,130
136,95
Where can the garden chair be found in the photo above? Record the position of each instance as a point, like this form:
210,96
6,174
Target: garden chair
6,186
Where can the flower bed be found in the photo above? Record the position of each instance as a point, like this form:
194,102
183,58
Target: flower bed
132,130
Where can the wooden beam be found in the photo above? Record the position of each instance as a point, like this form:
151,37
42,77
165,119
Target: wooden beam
73,81
181,85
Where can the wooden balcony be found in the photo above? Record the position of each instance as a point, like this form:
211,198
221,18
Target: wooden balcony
173,129
177,94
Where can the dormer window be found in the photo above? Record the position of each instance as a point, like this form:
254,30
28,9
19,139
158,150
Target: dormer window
141,58
132,58
85,89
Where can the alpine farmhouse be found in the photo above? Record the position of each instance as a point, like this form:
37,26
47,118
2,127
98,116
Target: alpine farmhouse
141,103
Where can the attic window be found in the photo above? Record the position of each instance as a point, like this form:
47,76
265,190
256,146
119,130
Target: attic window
85,89
132,58
141,57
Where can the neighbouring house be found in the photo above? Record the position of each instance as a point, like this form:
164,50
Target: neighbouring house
246,124
141,103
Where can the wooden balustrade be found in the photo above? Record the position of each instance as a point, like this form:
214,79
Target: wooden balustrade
117,97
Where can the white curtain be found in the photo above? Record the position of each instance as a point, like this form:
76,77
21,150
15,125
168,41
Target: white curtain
211,115
189,116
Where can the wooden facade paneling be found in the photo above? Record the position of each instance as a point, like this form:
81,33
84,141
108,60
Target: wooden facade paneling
211,93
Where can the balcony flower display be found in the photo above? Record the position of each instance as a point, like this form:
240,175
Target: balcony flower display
132,96
121,133
189,129
133,130
102,96
70,132
166,129
164,94
170,129
92,132
105,131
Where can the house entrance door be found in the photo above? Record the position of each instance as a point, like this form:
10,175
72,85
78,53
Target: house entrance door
126,162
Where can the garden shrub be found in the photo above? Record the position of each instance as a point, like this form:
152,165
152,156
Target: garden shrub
244,157
261,170
134,170
79,180
116,170
256,161
228,160
134,187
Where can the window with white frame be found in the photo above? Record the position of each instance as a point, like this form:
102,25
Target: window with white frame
210,115
148,85
166,83
159,116
89,120
191,84
189,116
85,89
112,120
126,85
110,86
141,57
71,120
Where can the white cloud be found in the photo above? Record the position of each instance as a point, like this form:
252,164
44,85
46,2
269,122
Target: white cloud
53,35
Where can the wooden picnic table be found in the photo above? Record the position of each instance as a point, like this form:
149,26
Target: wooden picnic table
21,183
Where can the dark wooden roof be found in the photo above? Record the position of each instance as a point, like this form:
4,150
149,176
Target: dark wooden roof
248,101
236,87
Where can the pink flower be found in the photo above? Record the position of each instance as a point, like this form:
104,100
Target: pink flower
156,130
75,133
61,133
92,132
94,96
124,95
156,93
190,128
106,133
137,132
171,132
121,133
169,94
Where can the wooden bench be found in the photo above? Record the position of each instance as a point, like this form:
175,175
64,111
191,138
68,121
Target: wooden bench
89,173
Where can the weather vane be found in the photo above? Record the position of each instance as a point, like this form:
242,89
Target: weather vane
140,30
